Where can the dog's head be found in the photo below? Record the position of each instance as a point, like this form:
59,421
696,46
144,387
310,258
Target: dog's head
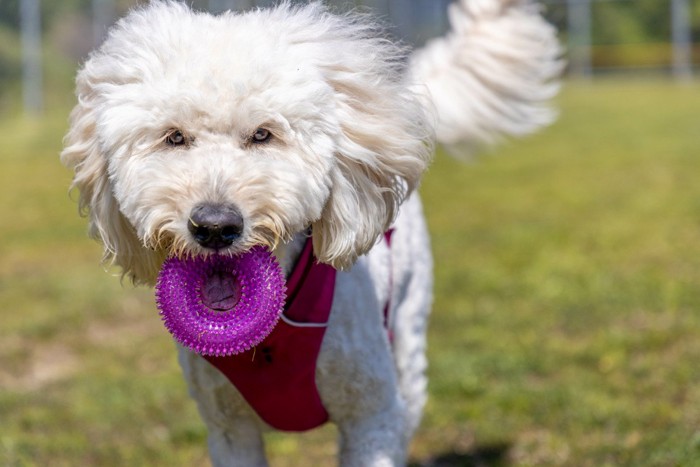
195,133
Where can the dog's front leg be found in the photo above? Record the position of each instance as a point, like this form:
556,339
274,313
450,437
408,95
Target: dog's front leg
356,376
238,444
234,437
374,441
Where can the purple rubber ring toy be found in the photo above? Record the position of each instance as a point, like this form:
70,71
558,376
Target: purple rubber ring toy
221,305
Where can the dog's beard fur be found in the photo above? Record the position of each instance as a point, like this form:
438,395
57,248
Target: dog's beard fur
161,209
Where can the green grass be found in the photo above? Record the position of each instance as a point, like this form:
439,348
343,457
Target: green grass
566,316
566,326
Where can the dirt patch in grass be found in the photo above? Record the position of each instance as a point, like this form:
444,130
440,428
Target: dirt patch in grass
37,365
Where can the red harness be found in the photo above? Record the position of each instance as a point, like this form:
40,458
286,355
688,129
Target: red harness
278,377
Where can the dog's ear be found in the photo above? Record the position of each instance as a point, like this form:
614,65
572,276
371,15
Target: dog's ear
382,151
82,153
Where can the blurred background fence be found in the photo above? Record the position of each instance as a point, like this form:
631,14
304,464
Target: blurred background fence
602,36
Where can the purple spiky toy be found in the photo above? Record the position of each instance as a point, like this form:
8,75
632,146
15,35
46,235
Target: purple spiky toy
221,305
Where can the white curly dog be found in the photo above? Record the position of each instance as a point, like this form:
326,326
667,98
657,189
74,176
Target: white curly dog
196,134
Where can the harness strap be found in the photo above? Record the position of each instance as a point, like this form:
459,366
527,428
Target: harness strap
278,377
387,306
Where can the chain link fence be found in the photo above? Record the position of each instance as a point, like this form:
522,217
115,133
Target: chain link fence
629,36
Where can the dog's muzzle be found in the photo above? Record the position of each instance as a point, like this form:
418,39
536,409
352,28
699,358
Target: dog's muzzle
215,226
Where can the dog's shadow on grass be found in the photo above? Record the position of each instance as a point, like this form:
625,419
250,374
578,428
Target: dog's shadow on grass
492,455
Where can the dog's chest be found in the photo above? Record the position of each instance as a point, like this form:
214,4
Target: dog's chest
331,332
278,377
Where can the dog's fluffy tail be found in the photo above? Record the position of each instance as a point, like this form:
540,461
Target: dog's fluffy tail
492,75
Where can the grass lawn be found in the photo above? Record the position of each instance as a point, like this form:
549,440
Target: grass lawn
566,326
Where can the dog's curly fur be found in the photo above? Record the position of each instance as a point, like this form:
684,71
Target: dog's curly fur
352,119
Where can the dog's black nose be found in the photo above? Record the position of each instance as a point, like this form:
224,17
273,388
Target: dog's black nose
215,226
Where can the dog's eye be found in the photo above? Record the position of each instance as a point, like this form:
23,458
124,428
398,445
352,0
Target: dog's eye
175,138
261,135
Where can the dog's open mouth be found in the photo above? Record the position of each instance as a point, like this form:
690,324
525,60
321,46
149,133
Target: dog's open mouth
220,291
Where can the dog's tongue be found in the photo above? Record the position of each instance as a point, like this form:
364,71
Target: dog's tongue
220,291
